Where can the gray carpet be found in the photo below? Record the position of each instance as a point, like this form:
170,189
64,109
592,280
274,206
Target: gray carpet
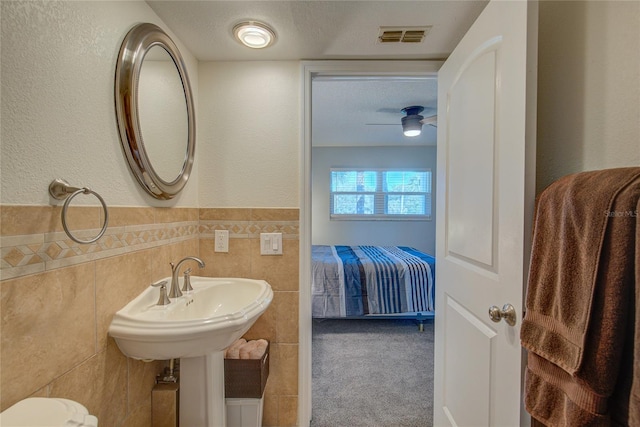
373,373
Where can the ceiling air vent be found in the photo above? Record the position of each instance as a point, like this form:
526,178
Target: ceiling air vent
402,34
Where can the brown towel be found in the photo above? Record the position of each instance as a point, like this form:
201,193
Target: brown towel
634,401
580,285
625,401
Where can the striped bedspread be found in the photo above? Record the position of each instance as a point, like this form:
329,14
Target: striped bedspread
359,280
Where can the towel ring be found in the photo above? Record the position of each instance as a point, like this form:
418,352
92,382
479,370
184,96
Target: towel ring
60,189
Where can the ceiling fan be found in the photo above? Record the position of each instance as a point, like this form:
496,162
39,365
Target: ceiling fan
412,121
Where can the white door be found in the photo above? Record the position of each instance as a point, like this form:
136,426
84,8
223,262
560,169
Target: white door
485,195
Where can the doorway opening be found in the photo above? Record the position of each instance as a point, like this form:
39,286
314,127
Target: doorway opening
352,120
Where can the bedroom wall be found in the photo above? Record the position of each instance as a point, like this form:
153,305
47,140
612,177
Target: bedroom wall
588,91
418,234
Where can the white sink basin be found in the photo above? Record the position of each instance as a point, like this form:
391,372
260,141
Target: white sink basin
206,320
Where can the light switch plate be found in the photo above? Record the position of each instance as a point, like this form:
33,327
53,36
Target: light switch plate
270,243
221,241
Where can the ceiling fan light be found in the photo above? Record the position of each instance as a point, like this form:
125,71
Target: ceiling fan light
412,125
254,34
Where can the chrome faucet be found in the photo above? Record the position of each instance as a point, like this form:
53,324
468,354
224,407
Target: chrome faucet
163,300
175,271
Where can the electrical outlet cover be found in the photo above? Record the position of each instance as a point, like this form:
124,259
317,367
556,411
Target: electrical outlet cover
221,241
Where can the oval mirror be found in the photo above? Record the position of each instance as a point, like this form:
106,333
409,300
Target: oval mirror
154,110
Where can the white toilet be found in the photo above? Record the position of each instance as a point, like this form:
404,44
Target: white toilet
47,412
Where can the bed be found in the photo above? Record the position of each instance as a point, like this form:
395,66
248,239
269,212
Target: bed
368,281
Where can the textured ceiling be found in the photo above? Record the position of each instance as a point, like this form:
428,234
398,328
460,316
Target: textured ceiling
316,29
367,112
335,29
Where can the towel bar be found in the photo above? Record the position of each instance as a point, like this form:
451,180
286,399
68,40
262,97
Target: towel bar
60,189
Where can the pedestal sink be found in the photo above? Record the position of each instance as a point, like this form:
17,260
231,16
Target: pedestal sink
195,328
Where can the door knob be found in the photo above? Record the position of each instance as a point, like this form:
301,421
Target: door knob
508,313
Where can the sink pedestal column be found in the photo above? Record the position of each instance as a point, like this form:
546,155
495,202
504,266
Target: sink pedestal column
202,401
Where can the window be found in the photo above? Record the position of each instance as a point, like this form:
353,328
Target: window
380,194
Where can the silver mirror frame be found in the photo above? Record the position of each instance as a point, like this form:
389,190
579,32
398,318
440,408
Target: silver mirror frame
134,47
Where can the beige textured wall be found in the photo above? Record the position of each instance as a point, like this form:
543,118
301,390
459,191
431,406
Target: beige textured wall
249,134
58,297
57,300
58,64
58,120
588,91
279,324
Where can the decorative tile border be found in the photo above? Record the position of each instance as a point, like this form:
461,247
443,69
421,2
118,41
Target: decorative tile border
36,253
26,254
249,229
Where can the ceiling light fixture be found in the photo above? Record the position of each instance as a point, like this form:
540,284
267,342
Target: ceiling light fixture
412,122
254,34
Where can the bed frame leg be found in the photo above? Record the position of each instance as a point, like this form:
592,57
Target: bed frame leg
420,321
